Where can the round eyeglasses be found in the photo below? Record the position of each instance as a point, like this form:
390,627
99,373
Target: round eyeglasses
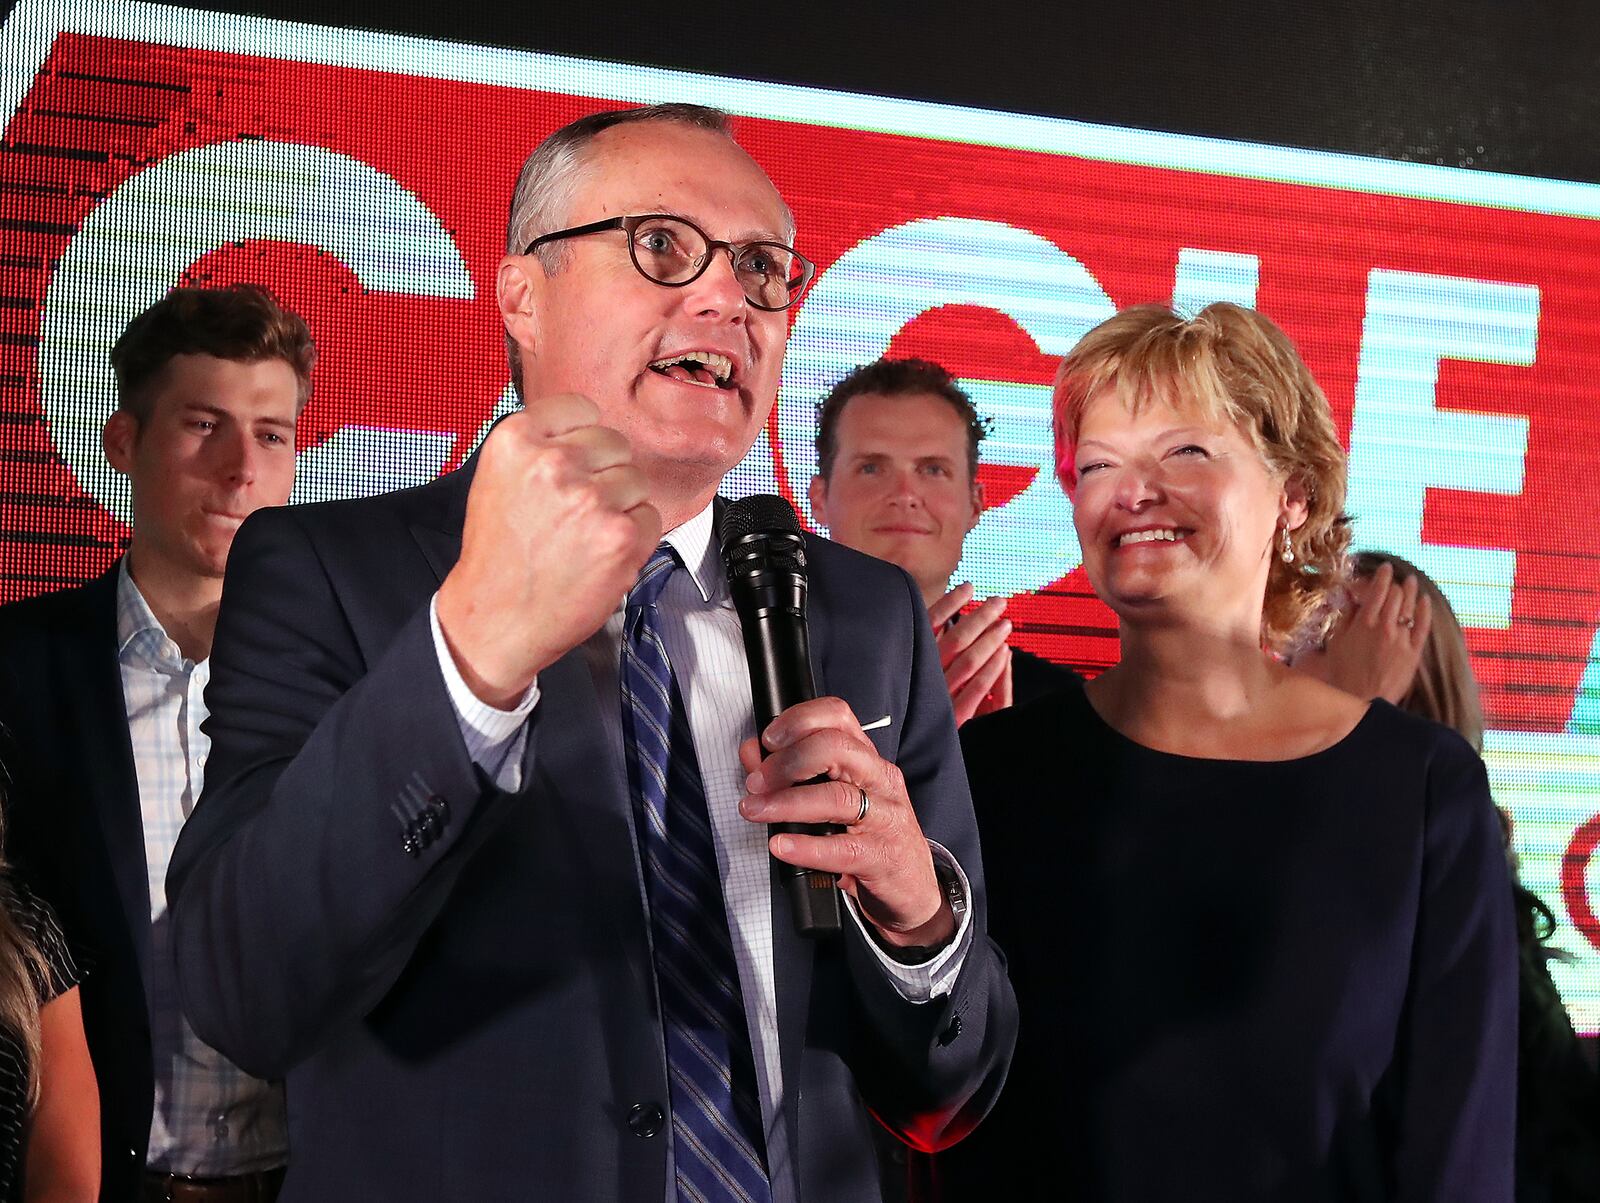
673,251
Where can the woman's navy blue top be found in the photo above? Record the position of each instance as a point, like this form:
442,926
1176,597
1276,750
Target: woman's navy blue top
1241,980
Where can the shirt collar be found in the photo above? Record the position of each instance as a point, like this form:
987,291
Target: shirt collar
698,550
134,616
140,636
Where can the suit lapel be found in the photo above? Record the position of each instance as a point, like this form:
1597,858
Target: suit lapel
817,631
794,955
437,513
112,781
567,758
439,548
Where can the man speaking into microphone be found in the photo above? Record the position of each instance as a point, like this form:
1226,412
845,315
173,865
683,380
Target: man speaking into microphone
483,865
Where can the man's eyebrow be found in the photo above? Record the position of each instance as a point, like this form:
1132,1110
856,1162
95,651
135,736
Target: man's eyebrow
753,235
217,411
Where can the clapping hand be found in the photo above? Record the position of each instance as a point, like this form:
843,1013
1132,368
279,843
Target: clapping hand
973,652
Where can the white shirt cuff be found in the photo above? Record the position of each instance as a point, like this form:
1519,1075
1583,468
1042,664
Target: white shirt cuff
931,979
495,738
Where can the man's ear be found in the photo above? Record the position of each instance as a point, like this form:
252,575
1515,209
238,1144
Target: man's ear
516,285
977,504
818,492
118,437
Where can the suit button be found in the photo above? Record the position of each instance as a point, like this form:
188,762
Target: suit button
645,1119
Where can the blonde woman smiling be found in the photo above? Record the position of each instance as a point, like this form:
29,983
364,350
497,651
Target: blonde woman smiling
1259,928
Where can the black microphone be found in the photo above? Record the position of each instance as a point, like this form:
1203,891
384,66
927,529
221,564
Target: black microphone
765,555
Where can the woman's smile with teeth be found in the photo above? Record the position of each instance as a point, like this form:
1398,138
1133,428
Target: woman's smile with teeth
1164,535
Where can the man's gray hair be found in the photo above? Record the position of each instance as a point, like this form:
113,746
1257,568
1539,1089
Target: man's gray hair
549,175
541,202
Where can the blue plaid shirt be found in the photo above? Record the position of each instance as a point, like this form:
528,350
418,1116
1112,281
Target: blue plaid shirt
210,1118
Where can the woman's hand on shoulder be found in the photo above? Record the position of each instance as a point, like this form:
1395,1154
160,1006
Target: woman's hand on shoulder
1377,645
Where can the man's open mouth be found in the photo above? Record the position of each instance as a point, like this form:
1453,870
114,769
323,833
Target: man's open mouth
705,368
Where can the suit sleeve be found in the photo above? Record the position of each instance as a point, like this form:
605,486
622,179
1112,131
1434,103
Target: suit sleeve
931,1070
340,806
1458,1042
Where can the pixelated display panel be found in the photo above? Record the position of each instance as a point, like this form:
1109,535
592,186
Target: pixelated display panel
1448,315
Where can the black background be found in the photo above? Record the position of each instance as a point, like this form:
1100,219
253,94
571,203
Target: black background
1484,84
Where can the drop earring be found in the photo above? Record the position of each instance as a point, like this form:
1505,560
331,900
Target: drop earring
1287,555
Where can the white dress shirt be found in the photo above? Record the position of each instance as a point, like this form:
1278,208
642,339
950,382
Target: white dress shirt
210,1117
702,635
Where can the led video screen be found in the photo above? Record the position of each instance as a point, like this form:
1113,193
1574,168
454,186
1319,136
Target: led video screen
1448,314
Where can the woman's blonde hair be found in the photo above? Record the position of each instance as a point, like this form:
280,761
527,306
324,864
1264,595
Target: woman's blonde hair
1233,365
24,974
1444,688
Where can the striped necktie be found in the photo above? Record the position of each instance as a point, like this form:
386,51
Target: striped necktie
718,1149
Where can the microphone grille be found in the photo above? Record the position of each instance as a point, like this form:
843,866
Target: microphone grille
761,512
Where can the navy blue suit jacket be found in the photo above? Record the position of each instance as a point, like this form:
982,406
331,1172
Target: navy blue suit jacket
75,829
474,1018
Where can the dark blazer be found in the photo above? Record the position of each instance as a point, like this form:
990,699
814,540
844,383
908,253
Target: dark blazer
456,980
75,828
